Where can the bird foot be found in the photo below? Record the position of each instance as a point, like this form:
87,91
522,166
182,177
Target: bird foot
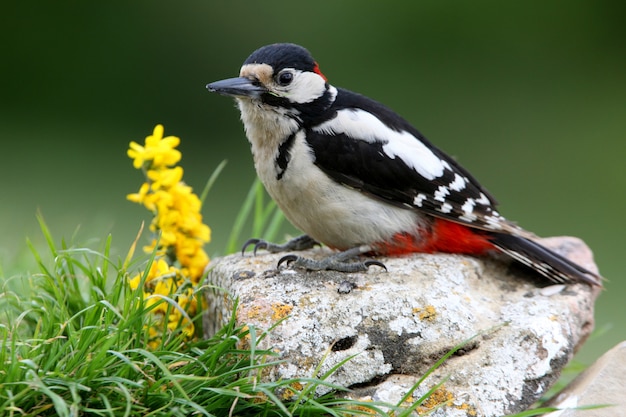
296,244
340,262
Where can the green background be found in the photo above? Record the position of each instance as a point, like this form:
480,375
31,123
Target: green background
529,96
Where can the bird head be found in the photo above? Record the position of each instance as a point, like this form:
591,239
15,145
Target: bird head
281,75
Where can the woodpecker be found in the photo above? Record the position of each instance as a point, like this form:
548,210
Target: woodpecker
354,175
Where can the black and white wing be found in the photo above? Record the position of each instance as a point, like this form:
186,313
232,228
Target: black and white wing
368,147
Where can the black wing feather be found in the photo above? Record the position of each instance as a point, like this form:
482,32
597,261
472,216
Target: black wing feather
365,166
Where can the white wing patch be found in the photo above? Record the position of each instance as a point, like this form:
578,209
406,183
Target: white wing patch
419,199
415,154
441,193
459,183
483,200
362,125
468,207
446,208
468,210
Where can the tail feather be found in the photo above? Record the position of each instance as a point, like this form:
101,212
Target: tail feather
550,264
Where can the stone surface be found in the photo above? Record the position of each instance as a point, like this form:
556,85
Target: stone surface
604,382
399,323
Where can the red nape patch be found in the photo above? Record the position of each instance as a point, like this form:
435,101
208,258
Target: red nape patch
316,69
445,236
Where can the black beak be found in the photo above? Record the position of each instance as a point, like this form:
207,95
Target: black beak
236,87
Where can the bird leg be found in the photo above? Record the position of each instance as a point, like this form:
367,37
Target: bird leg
339,262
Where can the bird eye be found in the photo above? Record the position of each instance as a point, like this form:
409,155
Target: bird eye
285,78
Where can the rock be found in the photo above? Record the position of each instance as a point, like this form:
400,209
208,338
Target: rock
399,323
604,382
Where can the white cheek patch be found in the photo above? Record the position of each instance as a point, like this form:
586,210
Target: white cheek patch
362,125
305,87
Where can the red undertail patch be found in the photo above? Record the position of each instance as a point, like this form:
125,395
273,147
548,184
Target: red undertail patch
445,236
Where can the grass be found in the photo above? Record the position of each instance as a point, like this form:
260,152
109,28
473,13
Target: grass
75,344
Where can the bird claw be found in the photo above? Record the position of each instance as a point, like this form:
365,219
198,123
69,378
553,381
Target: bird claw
331,263
299,243
258,244
375,263
288,259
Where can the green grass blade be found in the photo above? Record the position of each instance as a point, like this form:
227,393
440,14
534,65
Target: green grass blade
242,217
211,181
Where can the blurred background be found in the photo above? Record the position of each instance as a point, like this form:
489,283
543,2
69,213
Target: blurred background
529,96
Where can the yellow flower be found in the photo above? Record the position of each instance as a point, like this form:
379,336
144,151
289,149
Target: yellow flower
157,152
180,259
141,195
197,265
159,201
165,178
134,281
158,268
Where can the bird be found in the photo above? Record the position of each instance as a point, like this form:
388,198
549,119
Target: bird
352,174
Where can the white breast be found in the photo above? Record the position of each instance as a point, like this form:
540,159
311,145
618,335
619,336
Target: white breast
329,212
